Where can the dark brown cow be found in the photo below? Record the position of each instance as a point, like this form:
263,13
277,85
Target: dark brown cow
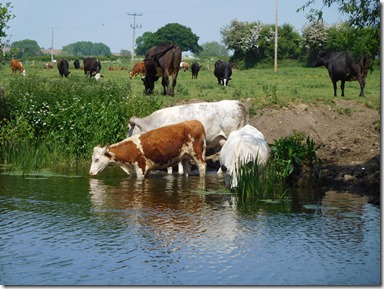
92,67
341,66
63,67
161,61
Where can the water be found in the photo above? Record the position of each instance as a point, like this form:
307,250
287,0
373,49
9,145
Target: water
71,229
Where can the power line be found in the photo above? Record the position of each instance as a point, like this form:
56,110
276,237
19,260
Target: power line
134,26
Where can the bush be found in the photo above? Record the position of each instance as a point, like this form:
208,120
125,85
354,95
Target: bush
68,117
288,156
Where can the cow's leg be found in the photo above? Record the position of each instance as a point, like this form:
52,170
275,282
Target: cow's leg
165,83
362,85
186,166
342,87
180,168
174,77
334,87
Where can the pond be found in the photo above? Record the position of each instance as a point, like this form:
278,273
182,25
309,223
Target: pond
72,229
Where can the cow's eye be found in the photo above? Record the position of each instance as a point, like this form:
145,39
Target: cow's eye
96,160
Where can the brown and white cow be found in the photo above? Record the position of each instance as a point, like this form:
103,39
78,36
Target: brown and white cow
184,66
157,149
139,68
17,65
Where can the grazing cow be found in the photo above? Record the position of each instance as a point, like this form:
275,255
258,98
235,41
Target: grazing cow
223,72
63,67
242,146
48,65
184,66
162,61
137,68
341,66
218,118
156,149
92,67
76,64
195,68
17,65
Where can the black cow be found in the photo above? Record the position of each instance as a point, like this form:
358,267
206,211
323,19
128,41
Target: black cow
341,66
63,67
76,64
161,61
195,68
223,72
92,67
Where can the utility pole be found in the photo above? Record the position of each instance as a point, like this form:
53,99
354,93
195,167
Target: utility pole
276,34
52,42
134,26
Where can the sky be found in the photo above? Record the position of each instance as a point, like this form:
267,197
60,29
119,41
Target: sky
108,21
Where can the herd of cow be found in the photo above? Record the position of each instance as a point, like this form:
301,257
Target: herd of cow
183,134
199,131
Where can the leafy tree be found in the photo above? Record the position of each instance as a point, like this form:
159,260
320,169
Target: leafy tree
87,48
314,37
144,43
214,49
170,33
5,16
254,42
26,48
363,16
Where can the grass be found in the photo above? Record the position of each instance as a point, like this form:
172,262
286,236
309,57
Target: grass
45,116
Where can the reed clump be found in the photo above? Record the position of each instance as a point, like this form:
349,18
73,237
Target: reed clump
289,155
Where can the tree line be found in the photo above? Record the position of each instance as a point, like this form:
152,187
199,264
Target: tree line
249,43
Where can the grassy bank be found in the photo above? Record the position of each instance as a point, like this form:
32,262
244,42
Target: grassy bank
46,120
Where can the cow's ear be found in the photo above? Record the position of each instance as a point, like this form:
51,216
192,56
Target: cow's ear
322,53
99,146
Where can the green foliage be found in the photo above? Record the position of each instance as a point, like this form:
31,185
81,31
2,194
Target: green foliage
213,49
5,16
26,48
67,117
87,48
288,155
170,33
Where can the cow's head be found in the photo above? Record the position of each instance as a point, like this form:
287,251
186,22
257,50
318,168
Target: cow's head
320,59
23,72
101,157
149,83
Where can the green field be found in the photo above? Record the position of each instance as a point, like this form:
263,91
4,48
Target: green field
292,83
46,120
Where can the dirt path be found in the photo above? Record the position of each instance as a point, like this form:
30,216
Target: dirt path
349,143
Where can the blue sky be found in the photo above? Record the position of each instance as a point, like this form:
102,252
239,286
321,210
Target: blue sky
108,22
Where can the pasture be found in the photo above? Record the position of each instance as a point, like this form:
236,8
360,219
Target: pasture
66,118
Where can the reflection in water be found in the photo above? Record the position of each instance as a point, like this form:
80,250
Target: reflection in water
177,230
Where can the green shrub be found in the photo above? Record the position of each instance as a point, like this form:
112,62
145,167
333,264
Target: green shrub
287,157
68,117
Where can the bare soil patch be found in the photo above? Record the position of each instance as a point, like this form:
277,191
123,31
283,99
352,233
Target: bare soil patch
347,137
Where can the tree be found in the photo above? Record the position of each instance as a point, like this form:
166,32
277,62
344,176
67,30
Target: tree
26,48
363,15
170,33
253,42
87,48
214,49
5,17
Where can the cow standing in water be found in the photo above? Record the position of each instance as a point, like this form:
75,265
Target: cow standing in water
162,61
63,67
341,66
155,149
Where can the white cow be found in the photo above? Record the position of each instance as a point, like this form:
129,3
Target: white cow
218,118
241,147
